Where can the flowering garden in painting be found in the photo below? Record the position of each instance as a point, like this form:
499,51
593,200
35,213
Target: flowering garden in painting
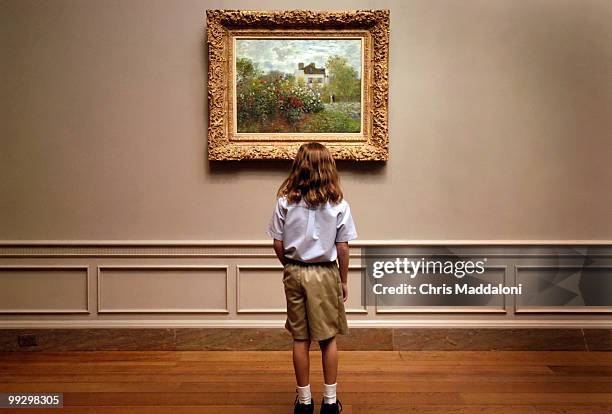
302,99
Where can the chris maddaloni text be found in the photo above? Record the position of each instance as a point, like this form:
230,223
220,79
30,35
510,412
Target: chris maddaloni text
456,289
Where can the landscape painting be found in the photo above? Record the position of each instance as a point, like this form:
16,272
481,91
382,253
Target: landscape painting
298,85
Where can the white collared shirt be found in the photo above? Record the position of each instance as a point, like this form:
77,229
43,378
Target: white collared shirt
310,234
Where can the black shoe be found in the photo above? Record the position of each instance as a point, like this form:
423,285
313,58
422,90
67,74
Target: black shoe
299,408
334,408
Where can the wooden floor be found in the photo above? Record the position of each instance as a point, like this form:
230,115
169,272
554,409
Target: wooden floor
262,382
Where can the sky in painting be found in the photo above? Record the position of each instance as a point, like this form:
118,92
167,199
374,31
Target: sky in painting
285,54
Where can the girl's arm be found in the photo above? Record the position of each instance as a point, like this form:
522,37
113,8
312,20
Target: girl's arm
343,262
279,250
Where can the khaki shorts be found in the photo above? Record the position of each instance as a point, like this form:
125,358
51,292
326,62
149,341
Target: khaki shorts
315,307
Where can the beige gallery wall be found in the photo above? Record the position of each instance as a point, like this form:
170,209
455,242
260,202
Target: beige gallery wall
500,124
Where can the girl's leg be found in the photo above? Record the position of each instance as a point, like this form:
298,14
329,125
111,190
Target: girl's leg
301,361
329,355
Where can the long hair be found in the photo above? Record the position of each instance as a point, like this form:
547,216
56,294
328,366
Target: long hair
313,177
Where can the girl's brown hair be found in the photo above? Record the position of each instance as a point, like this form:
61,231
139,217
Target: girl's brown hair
313,177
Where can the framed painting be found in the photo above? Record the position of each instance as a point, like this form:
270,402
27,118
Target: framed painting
277,79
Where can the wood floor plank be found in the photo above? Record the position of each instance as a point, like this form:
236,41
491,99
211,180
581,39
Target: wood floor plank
480,409
288,383
258,366
459,357
369,409
210,409
567,398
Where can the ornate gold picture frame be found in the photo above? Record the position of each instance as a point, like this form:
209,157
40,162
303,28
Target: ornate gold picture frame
277,79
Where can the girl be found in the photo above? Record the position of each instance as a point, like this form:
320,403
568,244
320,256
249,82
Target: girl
311,226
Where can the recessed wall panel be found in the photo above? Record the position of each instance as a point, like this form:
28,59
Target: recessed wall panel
261,290
354,304
42,289
162,289
562,289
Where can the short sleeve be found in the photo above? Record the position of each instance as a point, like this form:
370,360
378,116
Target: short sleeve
345,229
277,221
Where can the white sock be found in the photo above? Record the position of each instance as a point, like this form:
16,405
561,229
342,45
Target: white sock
304,395
329,393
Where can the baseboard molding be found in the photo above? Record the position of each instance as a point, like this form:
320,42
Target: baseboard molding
279,323
257,339
266,242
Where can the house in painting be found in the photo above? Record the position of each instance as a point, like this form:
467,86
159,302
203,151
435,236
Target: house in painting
311,74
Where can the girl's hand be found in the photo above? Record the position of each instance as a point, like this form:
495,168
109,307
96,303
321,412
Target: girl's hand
344,291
